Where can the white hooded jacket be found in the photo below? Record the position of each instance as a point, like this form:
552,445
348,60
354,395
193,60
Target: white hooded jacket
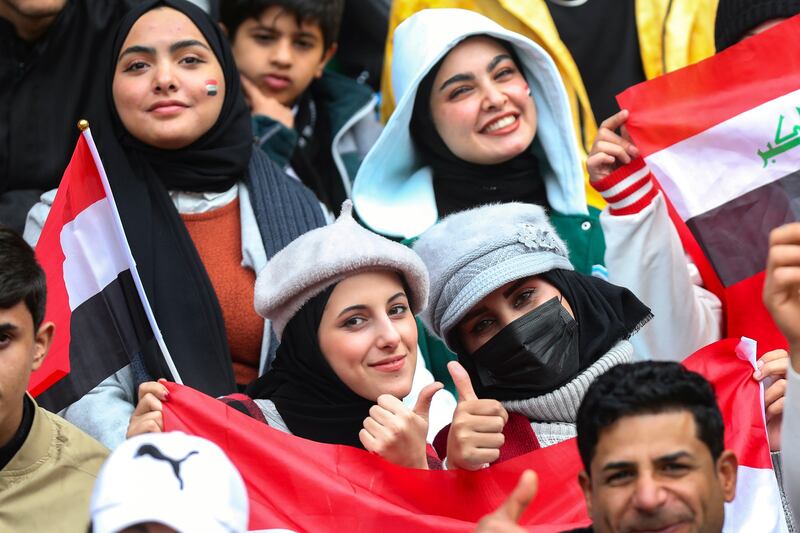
393,190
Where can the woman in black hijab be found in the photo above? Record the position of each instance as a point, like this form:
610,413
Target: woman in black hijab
530,331
341,300
202,211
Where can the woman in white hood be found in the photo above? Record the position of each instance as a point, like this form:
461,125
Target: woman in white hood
482,117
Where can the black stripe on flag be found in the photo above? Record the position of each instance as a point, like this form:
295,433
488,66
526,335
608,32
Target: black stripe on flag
735,235
106,332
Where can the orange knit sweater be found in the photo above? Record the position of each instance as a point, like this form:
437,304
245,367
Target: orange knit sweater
217,235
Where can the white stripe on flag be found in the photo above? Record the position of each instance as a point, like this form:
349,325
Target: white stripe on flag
722,163
92,252
757,506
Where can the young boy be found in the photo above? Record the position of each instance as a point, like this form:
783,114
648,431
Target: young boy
47,465
317,124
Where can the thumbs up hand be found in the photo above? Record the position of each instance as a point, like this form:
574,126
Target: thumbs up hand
398,433
476,433
505,518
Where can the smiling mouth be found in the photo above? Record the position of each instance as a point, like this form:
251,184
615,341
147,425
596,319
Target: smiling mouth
500,123
167,107
391,364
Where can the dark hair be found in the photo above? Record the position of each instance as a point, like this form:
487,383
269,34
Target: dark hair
649,387
21,277
326,13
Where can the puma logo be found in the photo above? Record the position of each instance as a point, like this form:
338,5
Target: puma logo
155,453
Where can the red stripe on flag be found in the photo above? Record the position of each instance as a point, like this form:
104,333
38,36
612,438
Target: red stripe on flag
739,398
691,100
303,485
748,317
80,187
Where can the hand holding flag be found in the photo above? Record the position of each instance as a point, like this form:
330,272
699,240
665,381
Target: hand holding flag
147,417
398,433
611,150
476,433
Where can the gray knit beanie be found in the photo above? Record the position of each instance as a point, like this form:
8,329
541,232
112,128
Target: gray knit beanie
474,252
324,256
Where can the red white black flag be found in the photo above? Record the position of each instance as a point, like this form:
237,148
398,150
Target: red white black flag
94,295
723,139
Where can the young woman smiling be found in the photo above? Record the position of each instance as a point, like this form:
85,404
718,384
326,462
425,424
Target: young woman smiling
482,117
348,352
202,211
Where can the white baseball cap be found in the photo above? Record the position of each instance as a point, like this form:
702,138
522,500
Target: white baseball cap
181,481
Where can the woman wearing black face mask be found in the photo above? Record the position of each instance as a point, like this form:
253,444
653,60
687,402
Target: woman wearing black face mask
531,333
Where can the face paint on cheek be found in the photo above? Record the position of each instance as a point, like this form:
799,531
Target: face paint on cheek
212,87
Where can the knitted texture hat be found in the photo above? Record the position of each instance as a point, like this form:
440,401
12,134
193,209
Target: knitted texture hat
474,252
324,256
736,17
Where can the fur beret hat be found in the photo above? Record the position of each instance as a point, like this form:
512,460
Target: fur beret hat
474,252
324,256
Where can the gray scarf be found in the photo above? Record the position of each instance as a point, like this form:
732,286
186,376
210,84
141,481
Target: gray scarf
553,414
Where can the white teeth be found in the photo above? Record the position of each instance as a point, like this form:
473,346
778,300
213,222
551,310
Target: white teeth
502,123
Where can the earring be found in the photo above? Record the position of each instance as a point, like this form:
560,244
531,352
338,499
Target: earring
529,91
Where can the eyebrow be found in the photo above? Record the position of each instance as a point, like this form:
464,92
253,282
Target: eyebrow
517,284
186,43
174,47
494,62
7,327
619,465
360,307
469,77
472,314
301,33
137,49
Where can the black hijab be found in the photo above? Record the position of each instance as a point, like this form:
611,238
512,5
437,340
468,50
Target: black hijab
310,397
176,283
605,313
460,185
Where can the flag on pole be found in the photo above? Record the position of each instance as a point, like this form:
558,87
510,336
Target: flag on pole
722,139
299,485
94,295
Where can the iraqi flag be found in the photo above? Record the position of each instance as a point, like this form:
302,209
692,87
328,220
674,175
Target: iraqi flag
722,137
94,295
299,485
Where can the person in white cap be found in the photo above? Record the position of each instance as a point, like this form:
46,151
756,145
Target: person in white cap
341,300
169,482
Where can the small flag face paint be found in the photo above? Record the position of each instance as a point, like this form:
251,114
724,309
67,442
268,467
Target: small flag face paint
212,87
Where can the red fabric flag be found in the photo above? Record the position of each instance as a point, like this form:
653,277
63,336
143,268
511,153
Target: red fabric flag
300,485
94,295
721,137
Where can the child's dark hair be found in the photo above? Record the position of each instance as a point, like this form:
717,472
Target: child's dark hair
649,387
21,277
326,13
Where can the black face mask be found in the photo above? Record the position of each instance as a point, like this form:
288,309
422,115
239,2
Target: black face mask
533,355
